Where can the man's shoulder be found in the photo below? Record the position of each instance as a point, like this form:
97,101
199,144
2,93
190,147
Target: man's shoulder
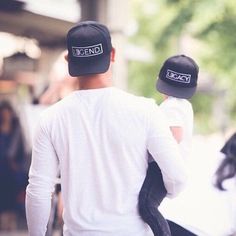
138,98
133,104
55,110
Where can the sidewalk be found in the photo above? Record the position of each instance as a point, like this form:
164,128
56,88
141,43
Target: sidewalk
15,233
22,233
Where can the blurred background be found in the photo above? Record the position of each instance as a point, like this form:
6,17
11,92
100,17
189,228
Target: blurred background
33,75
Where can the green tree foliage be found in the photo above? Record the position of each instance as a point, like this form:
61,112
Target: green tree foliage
211,23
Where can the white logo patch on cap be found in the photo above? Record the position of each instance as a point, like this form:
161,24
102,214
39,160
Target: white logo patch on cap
88,51
178,77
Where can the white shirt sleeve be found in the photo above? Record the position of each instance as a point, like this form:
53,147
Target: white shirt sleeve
172,113
42,180
164,149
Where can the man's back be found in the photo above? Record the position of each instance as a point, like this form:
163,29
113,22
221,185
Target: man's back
100,145
100,138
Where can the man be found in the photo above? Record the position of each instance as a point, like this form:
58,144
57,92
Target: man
99,138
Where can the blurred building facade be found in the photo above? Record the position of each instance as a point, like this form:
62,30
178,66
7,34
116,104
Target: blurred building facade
48,34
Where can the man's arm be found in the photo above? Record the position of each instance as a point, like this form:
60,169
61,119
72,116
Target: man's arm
42,179
164,150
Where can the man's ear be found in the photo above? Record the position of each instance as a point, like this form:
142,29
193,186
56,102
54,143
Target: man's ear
66,56
113,54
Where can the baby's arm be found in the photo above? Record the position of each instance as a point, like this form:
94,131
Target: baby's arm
177,132
172,113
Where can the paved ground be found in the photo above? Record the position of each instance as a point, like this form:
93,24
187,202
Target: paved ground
22,233
15,233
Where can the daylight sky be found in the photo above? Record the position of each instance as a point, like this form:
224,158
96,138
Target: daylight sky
61,9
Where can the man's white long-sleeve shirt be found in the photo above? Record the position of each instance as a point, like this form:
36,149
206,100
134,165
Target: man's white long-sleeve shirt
99,139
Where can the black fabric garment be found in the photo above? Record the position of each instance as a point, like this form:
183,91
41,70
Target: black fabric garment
177,230
150,197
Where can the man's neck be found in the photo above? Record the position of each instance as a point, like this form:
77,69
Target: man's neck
95,81
165,97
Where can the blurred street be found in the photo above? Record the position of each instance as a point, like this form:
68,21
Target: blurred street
16,233
22,233
200,197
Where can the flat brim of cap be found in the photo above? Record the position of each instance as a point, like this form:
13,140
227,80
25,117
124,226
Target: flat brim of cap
178,92
89,67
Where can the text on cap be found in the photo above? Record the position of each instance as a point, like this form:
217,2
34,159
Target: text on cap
88,51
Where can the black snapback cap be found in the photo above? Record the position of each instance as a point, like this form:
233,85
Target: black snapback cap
178,77
89,46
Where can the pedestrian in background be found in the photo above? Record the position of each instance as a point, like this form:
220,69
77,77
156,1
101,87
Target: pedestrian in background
225,178
13,166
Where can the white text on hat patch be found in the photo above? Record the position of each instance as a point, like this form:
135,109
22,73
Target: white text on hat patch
178,77
89,51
